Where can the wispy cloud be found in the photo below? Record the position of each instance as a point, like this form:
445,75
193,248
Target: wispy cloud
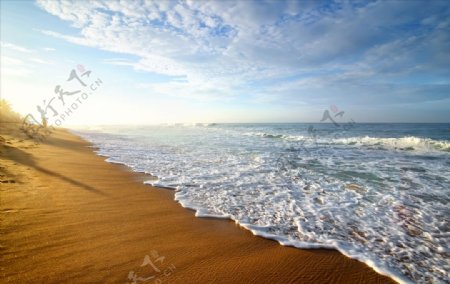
19,66
15,47
40,61
12,66
287,50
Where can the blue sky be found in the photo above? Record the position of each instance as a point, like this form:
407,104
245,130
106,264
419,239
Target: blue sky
227,61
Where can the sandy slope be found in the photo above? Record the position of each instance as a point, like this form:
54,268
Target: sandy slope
68,216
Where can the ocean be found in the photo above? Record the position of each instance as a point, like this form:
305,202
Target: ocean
376,192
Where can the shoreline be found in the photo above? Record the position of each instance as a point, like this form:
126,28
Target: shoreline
69,215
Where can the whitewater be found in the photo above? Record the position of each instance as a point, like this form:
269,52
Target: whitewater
378,193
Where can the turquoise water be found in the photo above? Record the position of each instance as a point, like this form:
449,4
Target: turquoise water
378,193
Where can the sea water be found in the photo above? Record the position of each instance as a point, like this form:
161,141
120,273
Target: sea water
378,193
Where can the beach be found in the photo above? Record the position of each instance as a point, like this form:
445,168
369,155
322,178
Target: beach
69,216
224,141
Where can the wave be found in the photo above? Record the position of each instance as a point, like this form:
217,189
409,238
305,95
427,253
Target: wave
316,202
264,231
201,124
276,136
408,143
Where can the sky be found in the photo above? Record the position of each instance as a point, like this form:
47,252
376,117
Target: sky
150,62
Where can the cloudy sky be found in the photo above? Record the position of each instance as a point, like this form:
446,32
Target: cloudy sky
227,61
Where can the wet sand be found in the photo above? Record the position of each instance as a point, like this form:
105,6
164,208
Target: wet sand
68,216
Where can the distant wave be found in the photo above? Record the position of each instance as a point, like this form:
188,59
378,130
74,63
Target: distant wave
204,124
409,143
276,136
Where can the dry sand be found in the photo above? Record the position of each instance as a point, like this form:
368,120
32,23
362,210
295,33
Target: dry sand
68,216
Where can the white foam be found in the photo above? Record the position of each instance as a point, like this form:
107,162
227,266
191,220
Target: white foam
408,143
386,208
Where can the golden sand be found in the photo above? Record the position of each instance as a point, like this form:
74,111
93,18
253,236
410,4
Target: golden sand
68,216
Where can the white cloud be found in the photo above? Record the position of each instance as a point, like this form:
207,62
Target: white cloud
118,61
11,61
12,66
220,47
15,72
40,61
19,66
15,47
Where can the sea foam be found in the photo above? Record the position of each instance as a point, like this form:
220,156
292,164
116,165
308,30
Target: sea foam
381,200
